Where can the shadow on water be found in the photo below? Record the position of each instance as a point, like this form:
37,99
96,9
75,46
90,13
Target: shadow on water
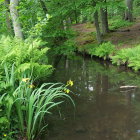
103,110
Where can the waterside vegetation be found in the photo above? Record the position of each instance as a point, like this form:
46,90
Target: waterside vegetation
35,33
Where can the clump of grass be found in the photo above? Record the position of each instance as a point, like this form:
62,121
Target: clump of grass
31,105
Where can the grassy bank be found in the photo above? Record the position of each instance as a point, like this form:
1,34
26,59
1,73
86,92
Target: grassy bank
129,57
121,47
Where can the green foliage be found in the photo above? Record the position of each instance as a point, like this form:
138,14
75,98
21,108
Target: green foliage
68,48
129,57
30,14
103,51
122,56
118,22
2,19
28,56
89,48
33,105
6,85
136,8
37,31
8,81
26,105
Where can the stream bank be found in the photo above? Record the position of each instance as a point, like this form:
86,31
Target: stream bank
121,47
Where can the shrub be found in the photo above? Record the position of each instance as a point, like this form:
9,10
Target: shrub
104,50
122,56
116,23
28,56
129,56
68,48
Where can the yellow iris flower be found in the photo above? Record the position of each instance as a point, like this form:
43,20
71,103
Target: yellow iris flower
31,86
70,83
67,91
25,79
4,135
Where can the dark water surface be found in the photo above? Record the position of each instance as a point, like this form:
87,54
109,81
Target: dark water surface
103,110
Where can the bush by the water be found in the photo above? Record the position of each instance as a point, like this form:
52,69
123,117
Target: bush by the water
27,107
103,51
129,57
23,104
27,56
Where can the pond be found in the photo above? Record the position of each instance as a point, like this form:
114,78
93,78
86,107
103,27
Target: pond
103,110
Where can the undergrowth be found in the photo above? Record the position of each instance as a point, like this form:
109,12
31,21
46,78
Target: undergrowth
24,103
103,51
28,57
26,106
129,57
118,22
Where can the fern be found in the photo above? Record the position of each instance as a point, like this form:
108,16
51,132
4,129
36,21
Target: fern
129,56
35,69
103,51
28,56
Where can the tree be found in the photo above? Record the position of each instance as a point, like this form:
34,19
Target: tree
8,20
96,22
98,32
15,18
44,6
104,18
129,9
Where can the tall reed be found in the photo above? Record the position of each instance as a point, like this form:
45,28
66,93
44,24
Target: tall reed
32,106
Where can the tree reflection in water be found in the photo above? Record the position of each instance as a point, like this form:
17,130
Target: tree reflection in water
103,111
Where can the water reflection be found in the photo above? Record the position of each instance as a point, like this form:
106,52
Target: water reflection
103,111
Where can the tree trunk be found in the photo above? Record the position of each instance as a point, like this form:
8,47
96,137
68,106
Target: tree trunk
15,18
98,33
128,11
8,20
67,23
76,17
104,20
44,6
75,13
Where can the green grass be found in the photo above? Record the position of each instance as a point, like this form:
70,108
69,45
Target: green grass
118,22
30,106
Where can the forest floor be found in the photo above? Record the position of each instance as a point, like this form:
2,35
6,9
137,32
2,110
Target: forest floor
126,37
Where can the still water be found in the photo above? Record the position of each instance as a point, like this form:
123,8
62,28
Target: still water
103,110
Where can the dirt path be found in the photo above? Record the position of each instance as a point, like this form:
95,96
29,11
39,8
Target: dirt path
126,37
122,38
